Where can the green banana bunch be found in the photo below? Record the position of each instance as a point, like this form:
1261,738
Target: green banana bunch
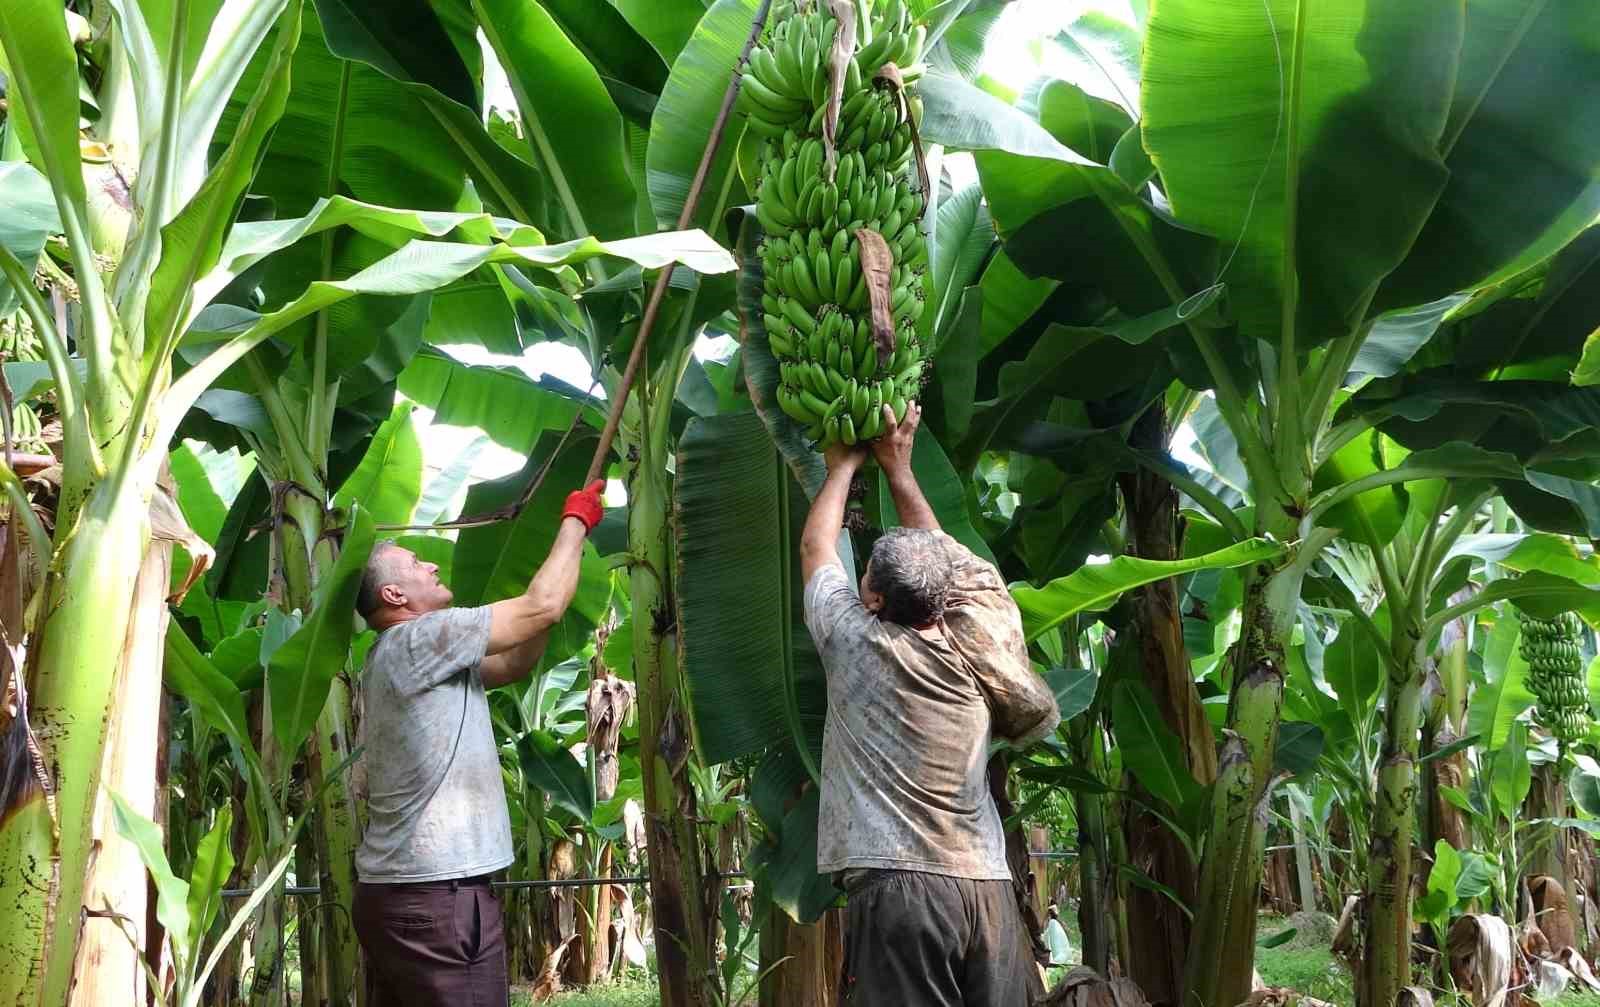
1555,675
815,302
19,341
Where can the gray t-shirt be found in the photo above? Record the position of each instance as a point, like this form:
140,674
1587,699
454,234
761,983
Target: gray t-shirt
436,801
910,715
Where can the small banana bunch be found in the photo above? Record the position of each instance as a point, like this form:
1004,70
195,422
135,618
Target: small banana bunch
1550,646
19,341
817,295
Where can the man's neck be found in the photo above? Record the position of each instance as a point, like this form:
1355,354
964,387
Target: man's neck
391,617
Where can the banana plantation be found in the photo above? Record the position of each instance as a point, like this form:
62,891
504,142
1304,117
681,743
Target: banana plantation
1256,343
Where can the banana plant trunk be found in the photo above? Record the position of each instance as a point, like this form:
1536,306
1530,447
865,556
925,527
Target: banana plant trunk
811,960
1547,799
1386,966
544,946
313,970
46,826
336,830
1157,944
1445,722
1221,961
1094,897
116,894
303,553
684,948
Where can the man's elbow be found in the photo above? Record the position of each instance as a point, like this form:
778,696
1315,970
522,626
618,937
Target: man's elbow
816,553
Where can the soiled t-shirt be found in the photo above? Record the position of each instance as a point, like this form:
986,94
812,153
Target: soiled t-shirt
436,803
910,716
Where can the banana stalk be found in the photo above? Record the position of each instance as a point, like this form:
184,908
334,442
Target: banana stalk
1386,966
1094,903
1221,958
1210,975
330,953
684,948
132,767
47,839
1157,946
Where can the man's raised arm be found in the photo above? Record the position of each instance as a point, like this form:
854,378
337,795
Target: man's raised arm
893,451
819,540
520,626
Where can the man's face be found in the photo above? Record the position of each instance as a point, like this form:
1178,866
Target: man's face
870,598
413,584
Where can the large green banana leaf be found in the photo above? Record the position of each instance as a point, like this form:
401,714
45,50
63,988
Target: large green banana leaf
1269,121
754,674
572,125
1095,588
388,482
348,130
442,85
513,409
1522,159
667,24
686,112
633,72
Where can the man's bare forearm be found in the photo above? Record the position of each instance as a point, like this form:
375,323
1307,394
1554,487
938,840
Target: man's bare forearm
819,539
520,620
556,581
909,502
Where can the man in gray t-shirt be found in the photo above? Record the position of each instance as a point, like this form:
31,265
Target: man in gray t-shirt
923,668
437,821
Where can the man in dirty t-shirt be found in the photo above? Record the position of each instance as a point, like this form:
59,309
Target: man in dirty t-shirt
923,668
437,820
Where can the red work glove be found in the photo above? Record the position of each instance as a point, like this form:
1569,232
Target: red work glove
585,504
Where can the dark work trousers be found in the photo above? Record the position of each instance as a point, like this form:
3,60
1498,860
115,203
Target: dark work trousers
926,940
433,944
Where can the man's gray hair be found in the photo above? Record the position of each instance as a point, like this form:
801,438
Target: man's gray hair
911,568
380,571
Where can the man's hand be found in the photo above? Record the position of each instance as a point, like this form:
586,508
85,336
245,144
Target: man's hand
893,450
585,504
844,456
893,447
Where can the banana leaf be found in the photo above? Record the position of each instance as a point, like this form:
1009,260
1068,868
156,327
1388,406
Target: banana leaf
754,674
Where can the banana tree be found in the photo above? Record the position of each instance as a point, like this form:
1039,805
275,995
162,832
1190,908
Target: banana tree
580,81
121,409
1424,109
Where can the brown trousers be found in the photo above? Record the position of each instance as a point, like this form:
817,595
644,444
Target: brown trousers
433,944
933,941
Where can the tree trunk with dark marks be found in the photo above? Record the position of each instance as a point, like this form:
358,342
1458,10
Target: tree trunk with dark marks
677,881
1220,962
1386,965
812,960
1547,844
1160,931
1445,820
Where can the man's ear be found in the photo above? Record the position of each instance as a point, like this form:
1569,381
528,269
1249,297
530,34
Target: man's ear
392,595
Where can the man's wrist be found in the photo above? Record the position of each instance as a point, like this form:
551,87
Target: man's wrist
900,474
